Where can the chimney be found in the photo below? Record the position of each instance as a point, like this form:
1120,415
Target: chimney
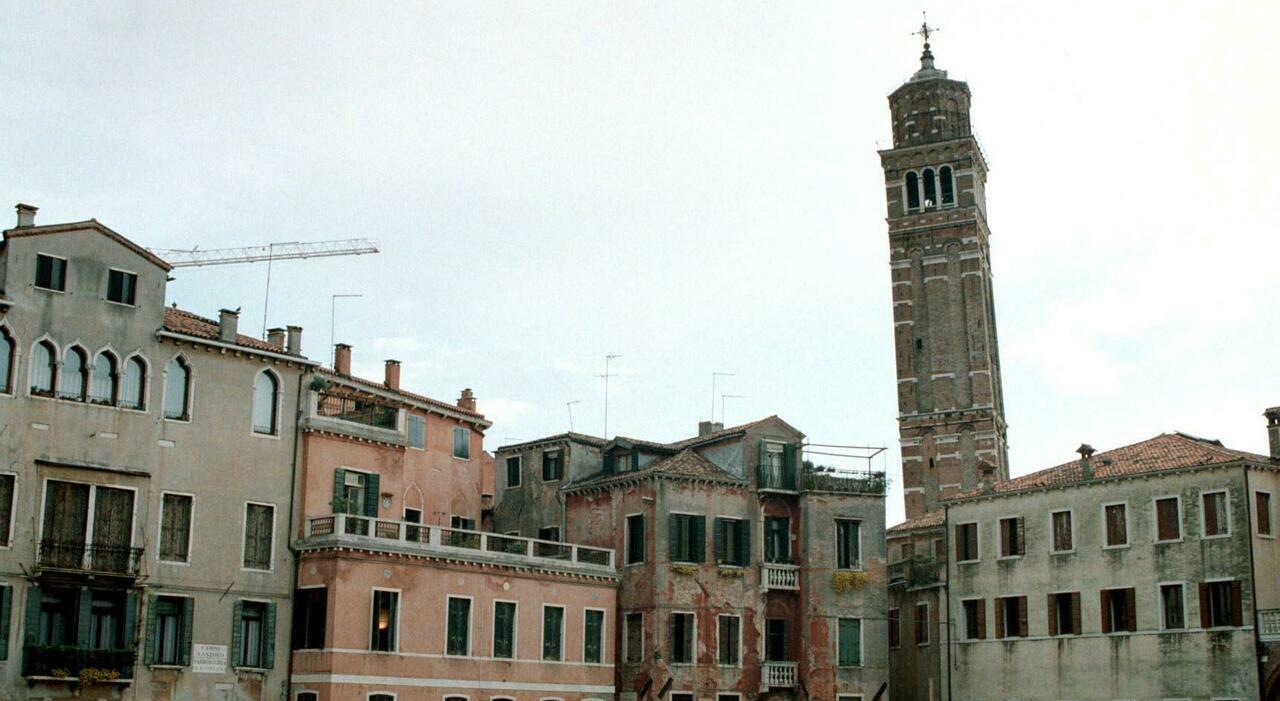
26,215
228,321
294,345
342,359
705,427
391,374
467,400
987,477
1086,460
1273,430
275,337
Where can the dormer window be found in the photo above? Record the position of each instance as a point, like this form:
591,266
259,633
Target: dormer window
623,462
51,272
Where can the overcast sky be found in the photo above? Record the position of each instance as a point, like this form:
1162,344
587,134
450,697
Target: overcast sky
692,185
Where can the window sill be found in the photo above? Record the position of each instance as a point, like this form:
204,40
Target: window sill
1062,552
167,666
251,670
120,304
1005,558
1168,542
49,289
1123,546
1218,536
1268,536
967,562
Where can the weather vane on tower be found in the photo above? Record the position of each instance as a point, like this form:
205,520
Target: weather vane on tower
925,31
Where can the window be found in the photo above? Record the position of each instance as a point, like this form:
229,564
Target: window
593,636
73,381
355,492
552,465
1172,607
78,515
895,628
7,353
7,484
1220,604
633,623
1262,504
1215,514
687,537
458,633
728,640
849,652
1060,540
1119,612
623,463
732,542
946,183
848,544
552,632
975,619
56,621
177,388
307,696
1064,613
417,432
132,391
122,287
930,188
682,637
169,630
1012,543
462,523
381,697
635,539
513,471
310,609
1011,617
259,531
175,527
102,379
966,542
1116,520
253,639
922,624
44,368
266,392
551,533
913,191
504,629
51,272
1168,520
776,648
106,620
777,539
462,442
384,620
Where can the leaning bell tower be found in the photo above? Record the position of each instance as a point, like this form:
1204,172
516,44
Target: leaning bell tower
950,405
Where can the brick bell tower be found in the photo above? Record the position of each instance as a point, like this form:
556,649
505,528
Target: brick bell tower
950,405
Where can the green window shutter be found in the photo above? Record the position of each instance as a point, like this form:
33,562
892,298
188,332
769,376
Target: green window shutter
850,647
371,496
698,532
237,631
744,543
608,464
31,623
84,618
762,459
6,605
131,620
789,466
149,634
269,633
339,476
188,617
719,536
673,536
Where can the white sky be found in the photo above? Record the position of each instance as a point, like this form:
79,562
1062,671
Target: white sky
692,185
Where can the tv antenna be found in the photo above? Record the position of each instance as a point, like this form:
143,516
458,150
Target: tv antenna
607,358
569,406
715,376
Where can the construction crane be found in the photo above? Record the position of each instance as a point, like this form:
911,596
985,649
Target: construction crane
288,250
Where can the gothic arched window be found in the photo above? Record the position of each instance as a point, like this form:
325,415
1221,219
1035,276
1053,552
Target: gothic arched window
8,349
946,183
177,390
102,380
913,191
73,381
266,391
135,382
930,189
44,368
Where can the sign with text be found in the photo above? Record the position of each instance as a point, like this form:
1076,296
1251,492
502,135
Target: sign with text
209,659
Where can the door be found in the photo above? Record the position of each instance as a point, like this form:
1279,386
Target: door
412,533
775,640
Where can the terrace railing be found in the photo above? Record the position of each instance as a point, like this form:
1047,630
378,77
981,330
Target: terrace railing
90,557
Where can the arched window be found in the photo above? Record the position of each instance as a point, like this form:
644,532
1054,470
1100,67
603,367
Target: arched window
177,390
266,390
102,381
73,381
44,368
135,381
913,191
947,184
8,349
930,189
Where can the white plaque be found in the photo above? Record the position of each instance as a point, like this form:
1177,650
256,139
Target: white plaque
209,659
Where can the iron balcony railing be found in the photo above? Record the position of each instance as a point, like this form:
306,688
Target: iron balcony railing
916,572
778,675
90,557
457,542
341,405
66,661
785,479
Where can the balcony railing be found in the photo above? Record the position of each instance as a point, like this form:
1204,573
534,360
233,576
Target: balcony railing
778,674
340,405
90,557
917,572
1269,625
778,576
66,661
778,478
785,479
457,542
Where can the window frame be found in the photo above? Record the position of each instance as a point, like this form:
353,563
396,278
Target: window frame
293,619
1022,537
1118,628
244,534
644,539
1071,519
9,373
1182,586
857,564
742,528
149,632
604,635
1102,512
66,265
1057,610
558,460
1231,607
86,364
1226,505
238,661
893,621
977,541
720,642
188,410
408,433
691,541
277,402
693,638
862,634
143,406
626,637
979,626
542,634
916,627
493,630
454,449
519,473
191,528
471,615
373,613
13,501
1257,521
133,303
93,495
1155,518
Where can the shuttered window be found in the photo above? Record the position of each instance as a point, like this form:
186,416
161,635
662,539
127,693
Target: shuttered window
975,619
1215,514
848,544
1011,540
635,539
1116,531
732,542
552,633
1172,605
1220,604
1262,504
1168,519
1062,538
688,535
169,620
922,624
1011,617
850,642
1119,611
504,629
254,634
417,431
634,624
895,628
175,527
259,529
593,636
729,640
682,637
966,542
513,471
461,442
459,627
1064,613
7,483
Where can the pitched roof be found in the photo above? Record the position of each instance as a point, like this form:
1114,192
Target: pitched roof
686,464
1167,451
189,324
933,519
566,436
406,394
93,225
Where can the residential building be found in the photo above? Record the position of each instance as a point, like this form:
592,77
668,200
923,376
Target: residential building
146,479
917,631
528,476
400,595
744,571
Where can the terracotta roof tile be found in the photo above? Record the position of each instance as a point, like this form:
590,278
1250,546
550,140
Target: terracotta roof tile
92,224
566,436
186,323
412,396
933,519
686,464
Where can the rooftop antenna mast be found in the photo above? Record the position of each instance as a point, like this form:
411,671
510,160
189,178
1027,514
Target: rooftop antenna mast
715,376
569,406
607,358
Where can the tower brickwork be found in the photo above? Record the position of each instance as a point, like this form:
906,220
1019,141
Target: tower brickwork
950,405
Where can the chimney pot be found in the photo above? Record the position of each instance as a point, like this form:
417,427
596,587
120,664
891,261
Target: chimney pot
705,427
228,323
1086,452
342,359
467,400
294,344
391,374
1273,430
26,215
275,337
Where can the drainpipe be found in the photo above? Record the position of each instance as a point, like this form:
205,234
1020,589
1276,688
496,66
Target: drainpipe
294,490
946,586
1253,582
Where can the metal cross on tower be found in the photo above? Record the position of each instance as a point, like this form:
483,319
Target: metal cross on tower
925,31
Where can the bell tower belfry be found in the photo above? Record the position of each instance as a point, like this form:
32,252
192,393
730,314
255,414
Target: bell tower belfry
950,404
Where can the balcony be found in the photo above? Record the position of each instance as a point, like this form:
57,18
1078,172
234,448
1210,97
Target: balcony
402,537
347,412
918,572
777,576
90,558
53,662
778,675
1269,625
772,478
776,478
